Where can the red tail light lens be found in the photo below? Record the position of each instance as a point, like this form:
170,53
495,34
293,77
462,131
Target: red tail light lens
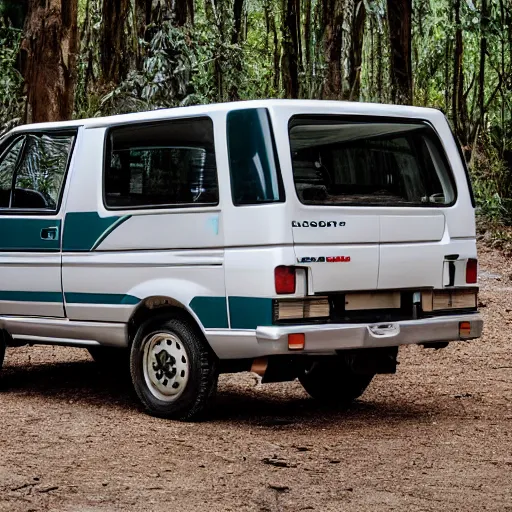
471,271
284,279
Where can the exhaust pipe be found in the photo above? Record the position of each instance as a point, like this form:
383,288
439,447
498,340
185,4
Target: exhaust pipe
259,366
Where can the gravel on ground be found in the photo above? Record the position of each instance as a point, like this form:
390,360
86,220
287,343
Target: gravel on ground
435,436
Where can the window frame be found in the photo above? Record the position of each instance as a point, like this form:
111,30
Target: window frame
9,210
169,206
348,118
275,153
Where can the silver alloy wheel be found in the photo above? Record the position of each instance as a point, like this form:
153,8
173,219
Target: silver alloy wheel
166,366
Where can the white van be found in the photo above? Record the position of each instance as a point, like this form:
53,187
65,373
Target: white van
296,239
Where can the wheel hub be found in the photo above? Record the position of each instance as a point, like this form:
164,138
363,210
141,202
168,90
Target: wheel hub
166,366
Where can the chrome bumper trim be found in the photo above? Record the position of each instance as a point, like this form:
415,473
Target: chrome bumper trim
328,338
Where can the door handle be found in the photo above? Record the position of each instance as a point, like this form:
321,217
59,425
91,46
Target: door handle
50,233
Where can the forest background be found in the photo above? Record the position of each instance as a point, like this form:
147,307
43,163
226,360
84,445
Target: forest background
63,59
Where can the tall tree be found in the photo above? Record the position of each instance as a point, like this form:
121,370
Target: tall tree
399,22
290,60
459,109
49,58
332,21
183,11
355,57
114,54
483,52
236,35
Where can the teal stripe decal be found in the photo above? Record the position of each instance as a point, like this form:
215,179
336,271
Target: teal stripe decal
17,296
250,312
116,299
24,234
71,298
211,311
84,231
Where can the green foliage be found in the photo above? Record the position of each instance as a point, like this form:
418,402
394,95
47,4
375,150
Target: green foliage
492,184
202,63
163,81
11,81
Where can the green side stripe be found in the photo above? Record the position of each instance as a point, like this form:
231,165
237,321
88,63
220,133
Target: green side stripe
24,234
250,312
101,298
17,296
211,311
84,231
71,298
244,312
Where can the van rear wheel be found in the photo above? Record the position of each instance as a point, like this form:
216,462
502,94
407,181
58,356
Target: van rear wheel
173,372
333,382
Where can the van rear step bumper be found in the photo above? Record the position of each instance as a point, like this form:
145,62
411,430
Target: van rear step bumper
329,338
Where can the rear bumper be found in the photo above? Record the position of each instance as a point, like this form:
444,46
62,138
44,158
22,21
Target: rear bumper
329,338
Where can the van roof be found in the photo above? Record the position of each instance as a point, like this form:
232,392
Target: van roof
159,114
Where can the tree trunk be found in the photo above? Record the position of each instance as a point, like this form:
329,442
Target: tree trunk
290,58
458,99
277,52
399,22
380,66
332,14
238,8
483,51
356,51
49,55
114,55
183,12
307,34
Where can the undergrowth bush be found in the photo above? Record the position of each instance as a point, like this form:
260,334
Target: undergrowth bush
492,184
11,81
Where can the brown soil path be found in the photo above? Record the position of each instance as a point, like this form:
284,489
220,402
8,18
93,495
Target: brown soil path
435,436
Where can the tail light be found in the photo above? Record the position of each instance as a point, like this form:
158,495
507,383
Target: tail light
284,280
471,271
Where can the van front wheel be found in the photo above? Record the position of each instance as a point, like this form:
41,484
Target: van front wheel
173,372
333,382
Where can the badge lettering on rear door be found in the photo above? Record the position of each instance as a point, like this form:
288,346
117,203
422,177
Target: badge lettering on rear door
317,224
324,259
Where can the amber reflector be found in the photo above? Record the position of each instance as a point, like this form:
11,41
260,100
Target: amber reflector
296,341
464,329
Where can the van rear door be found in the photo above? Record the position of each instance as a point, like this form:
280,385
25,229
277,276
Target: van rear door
385,183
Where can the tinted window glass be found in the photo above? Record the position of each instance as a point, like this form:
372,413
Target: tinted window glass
7,168
255,175
381,163
41,170
162,164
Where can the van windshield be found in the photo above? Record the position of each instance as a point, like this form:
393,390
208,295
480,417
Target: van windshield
340,162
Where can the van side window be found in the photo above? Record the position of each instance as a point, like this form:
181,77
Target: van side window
41,170
167,163
36,165
8,162
389,163
253,163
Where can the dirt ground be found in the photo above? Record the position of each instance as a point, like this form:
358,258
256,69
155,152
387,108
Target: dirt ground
435,436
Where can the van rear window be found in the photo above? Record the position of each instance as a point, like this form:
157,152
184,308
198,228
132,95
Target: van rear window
341,162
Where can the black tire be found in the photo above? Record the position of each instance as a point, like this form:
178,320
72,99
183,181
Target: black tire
181,343
332,382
